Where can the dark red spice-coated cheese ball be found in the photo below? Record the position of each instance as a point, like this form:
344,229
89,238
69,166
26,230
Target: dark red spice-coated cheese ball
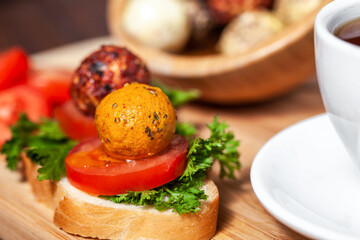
224,11
102,72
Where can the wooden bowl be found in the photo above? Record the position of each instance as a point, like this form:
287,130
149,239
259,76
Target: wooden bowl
270,70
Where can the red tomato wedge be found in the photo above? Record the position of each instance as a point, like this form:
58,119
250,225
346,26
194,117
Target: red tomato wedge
13,67
74,123
22,98
86,172
53,84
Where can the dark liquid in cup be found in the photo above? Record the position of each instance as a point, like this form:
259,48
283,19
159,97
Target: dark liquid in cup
350,32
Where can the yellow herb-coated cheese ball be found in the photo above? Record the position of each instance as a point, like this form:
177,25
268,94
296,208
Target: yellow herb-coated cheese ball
136,121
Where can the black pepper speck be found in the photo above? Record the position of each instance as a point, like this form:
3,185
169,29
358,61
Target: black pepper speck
156,116
107,87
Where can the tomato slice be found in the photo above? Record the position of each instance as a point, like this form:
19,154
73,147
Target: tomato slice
53,84
22,98
74,123
13,67
86,172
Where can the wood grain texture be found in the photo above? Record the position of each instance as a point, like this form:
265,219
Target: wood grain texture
270,70
241,216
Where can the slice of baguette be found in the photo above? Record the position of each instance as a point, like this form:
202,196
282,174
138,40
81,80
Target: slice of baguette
80,213
44,190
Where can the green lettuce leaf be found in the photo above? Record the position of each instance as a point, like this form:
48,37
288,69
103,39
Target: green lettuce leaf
178,97
43,143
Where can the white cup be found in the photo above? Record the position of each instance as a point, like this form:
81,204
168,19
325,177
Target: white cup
338,71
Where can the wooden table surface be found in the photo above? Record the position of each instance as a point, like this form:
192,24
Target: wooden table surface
241,216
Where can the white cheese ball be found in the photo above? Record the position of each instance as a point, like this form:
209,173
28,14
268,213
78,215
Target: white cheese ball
248,30
290,11
162,24
201,20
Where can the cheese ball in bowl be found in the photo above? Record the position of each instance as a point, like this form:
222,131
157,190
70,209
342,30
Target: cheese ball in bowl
224,11
290,11
248,30
136,121
157,23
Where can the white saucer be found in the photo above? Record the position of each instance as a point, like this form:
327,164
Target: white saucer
306,180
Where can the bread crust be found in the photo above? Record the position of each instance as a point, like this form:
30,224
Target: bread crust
79,213
44,190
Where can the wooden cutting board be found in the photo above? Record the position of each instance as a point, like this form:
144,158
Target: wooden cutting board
241,216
